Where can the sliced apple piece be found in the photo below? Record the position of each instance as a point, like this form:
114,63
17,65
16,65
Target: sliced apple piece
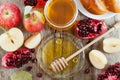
111,45
33,41
97,59
27,10
12,40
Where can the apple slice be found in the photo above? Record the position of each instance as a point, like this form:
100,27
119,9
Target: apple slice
97,59
33,41
27,10
12,40
111,45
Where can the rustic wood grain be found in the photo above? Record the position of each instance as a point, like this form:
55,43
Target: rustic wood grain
5,73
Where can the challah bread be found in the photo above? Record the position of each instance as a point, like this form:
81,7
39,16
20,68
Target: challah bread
113,5
101,6
94,6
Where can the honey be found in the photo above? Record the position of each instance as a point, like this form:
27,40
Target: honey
59,47
61,12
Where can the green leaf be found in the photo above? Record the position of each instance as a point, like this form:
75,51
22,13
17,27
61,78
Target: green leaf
21,75
27,15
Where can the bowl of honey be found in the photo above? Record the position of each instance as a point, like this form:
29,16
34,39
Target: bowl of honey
59,45
61,14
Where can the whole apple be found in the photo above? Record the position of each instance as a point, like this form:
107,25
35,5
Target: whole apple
34,21
9,15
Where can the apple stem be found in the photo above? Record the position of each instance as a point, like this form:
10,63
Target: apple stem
7,34
34,17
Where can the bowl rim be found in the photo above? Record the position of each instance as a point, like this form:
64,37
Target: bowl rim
90,15
65,75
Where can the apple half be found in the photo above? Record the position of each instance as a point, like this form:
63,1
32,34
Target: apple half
97,59
111,45
12,40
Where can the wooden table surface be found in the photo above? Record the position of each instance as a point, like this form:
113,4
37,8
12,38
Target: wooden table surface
5,73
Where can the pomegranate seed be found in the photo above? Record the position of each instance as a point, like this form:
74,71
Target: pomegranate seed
29,68
87,71
39,75
32,50
34,60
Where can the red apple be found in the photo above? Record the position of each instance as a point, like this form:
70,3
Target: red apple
9,15
34,21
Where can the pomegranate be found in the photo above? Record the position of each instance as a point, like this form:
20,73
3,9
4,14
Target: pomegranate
90,28
41,3
111,73
35,3
7,60
30,2
17,58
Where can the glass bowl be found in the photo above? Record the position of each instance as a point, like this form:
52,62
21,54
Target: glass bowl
59,45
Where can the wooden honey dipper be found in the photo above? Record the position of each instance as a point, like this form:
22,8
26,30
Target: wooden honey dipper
61,63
